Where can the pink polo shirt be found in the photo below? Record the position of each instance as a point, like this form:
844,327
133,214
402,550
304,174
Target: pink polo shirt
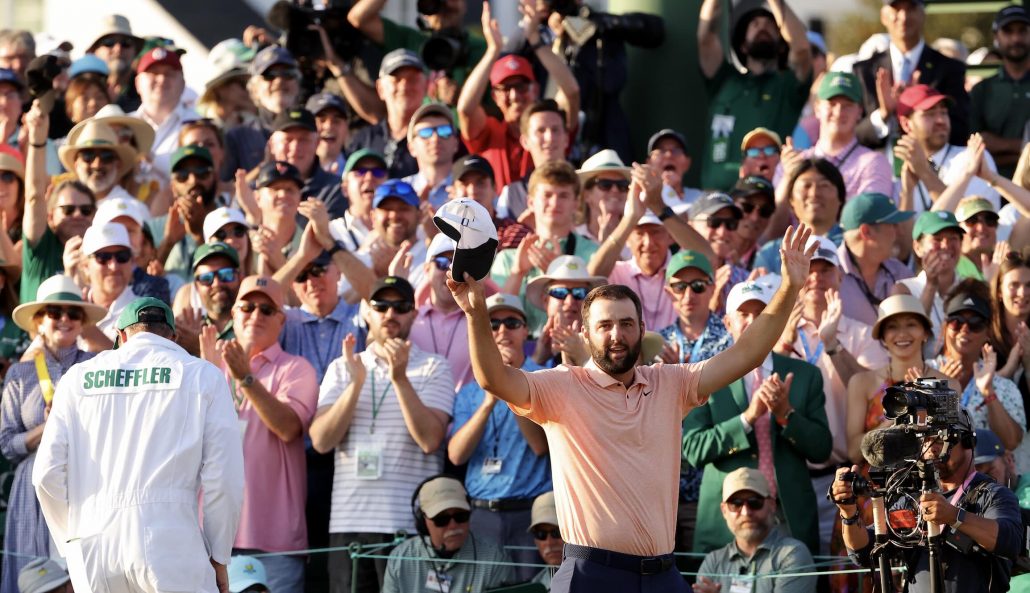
615,452
654,300
446,334
275,473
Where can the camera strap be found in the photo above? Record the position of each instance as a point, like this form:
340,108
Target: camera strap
957,497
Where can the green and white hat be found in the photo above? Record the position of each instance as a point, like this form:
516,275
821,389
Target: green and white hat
56,290
143,310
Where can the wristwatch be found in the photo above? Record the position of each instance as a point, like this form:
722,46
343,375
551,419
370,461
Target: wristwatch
666,213
835,350
850,520
338,246
959,519
248,380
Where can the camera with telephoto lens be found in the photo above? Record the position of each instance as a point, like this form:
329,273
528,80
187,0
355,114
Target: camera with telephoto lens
294,19
926,402
428,7
445,49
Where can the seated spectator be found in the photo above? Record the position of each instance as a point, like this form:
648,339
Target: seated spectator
209,299
332,118
716,217
473,178
43,575
839,110
275,395
98,160
105,273
363,173
547,537
402,86
442,520
758,546
194,190
118,47
756,199
294,140
605,182
441,327
275,86
513,88
374,479
545,136
395,226
979,219
870,223
760,153
937,242
667,153
506,454
433,141
247,575
160,84
132,214
760,421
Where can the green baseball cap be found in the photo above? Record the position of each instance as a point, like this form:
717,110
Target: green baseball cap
931,223
191,151
143,310
836,84
355,158
687,259
211,249
871,208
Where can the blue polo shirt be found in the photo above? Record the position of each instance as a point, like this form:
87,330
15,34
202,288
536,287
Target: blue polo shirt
522,474
320,339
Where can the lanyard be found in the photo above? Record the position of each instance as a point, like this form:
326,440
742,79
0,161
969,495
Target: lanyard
377,402
46,385
811,357
432,334
844,159
643,298
695,351
967,393
962,489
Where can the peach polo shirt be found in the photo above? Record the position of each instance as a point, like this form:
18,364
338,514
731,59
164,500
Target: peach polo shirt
615,452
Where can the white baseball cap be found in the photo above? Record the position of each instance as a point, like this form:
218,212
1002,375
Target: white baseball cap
826,249
469,224
221,217
117,207
752,290
111,234
440,244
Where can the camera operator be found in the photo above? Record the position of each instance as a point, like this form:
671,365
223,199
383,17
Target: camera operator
970,506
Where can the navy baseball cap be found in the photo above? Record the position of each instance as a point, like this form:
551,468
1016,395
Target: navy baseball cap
988,446
270,56
295,117
11,77
1010,14
470,163
395,188
400,58
322,101
666,133
277,170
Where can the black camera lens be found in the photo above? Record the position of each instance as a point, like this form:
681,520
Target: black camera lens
428,7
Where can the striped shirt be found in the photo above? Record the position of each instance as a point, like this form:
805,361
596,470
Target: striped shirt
383,505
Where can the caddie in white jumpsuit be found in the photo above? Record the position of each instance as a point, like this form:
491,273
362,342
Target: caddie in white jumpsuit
134,436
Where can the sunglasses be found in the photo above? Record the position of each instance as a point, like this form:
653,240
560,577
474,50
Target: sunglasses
113,41
542,534
288,73
236,231
507,322
401,307
106,156
755,503
83,209
444,519
753,153
202,173
518,87
561,293
72,313
696,286
8,177
988,220
224,275
765,210
266,309
609,184
377,172
975,323
442,263
121,256
312,272
444,131
731,224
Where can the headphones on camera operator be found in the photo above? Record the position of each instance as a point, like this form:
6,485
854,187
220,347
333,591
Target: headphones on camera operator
420,517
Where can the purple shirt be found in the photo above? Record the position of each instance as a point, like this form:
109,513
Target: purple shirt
863,169
446,334
656,304
861,302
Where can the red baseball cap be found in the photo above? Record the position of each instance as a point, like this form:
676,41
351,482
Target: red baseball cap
918,97
159,55
508,66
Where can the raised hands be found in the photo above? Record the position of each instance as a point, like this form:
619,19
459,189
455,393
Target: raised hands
235,358
355,368
984,369
468,294
776,394
396,351
794,257
831,317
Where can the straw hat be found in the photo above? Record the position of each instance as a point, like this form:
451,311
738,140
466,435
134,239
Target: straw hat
112,114
114,24
900,304
564,268
56,290
9,162
97,135
605,161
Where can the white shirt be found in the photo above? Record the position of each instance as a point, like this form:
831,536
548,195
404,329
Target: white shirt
951,161
134,436
166,136
106,325
898,59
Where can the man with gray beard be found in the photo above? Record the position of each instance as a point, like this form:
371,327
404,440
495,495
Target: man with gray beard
758,547
117,47
99,160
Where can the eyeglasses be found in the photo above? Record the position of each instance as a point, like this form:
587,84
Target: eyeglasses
83,209
542,534
312,272
236,231
754,503
377,172
508,322
442,263
731,224
401,307
265,309
72,313
202,173
518,87
984,218
753,153
975,323
608,184
696,286
106,156
288,73
765,210
444,519
121,256
113,41
8,177
561,293
224,275
444,131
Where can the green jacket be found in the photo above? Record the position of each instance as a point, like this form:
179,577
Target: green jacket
714,439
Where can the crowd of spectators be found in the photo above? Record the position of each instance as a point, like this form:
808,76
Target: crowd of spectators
288,221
